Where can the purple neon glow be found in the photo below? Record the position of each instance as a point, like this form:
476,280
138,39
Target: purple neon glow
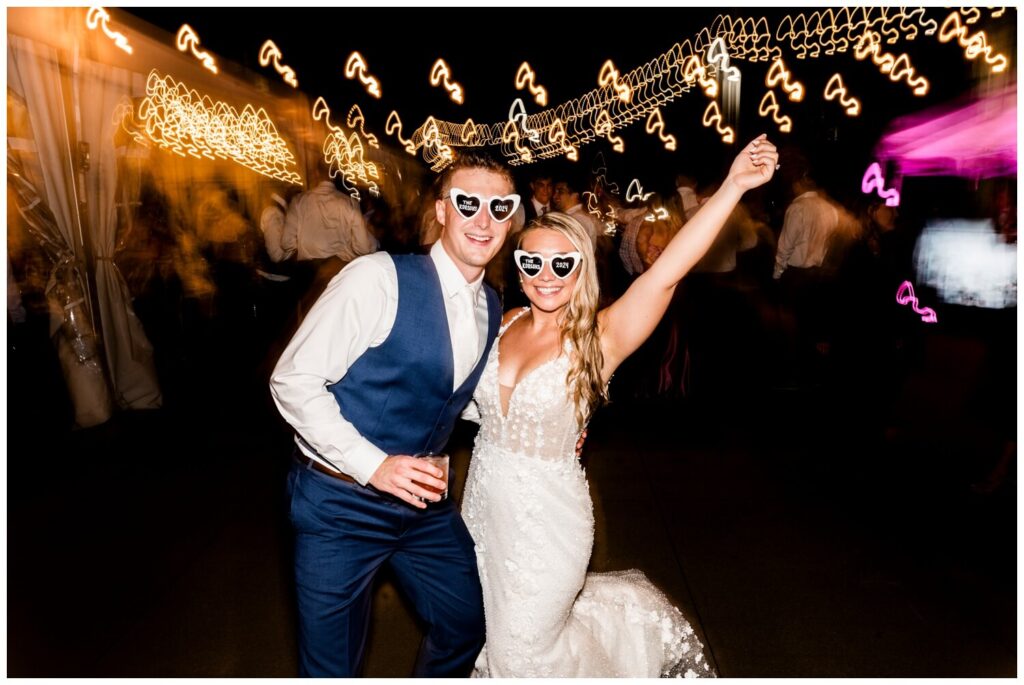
873,179
977,140
905,294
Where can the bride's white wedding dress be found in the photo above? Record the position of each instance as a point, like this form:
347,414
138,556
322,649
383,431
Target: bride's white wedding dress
528,508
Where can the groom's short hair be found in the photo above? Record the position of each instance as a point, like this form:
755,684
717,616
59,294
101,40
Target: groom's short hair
470,158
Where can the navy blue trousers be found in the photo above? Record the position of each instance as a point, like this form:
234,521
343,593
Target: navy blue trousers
344,534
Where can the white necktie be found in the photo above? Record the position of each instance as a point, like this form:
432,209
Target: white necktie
466,347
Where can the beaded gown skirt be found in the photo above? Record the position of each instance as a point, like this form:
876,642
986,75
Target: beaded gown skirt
528,507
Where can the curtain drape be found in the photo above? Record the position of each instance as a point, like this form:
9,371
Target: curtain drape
33,72
100,89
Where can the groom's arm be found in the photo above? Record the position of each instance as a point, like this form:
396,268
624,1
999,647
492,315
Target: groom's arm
355,312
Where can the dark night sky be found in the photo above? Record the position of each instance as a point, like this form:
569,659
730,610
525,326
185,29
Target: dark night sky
484,47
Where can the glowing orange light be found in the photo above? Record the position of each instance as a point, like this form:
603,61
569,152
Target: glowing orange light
869,45
180,120
355,67
658,214
187,39
355,118
769,105
432,139
468,130
98,17
556,136
603,127
609,76
835,89
713,117
777,73
394,125
524,79
440,72
694,70
269,52
656,124
344,154
510,134
973,45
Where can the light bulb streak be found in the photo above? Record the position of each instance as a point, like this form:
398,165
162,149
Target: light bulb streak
769,105
440,73
269,52
180,120
355,67
836,89
603,127
355,119
524,79
719,56
556,136
393,125
636,192
98,17
873,180
655,124
659,214
973,45
187,39
777,73
609,76
905,295
517,113
713,117
897,68
681,69
344,154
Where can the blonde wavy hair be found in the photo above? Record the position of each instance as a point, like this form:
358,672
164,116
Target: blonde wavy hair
579,321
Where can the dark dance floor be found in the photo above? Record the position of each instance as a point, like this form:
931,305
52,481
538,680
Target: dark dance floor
797,544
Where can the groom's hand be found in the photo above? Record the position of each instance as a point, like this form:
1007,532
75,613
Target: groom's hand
404,477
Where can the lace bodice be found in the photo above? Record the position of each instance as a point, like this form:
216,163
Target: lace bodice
541,421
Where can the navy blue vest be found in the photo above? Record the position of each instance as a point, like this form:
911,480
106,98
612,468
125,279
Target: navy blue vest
399,395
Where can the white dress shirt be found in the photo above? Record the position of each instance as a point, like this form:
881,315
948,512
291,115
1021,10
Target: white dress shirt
324,222
272,226
539,209
356,312
810,222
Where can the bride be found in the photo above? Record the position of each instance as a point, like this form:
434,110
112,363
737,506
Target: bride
526,502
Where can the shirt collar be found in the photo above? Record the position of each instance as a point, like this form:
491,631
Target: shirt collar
452,280
537,205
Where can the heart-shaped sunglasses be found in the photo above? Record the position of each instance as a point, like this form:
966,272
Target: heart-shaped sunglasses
501,208
562,265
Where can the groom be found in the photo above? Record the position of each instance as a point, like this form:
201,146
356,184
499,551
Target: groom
380,369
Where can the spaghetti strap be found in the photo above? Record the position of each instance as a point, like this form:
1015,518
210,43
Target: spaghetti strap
515,318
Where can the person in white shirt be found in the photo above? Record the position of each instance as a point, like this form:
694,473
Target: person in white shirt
324,228
380,369
810,222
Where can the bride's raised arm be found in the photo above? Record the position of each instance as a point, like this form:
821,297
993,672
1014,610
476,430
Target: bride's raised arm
630,320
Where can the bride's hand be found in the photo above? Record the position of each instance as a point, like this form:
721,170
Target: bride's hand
755,165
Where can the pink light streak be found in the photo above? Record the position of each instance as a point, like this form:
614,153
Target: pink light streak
873,179
905,295
976,140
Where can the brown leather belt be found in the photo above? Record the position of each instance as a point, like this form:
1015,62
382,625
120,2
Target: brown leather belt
317,466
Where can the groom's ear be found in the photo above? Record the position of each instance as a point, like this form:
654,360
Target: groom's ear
439,207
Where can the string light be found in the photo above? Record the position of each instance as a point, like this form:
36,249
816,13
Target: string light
440,73
269,52
182,121
98,17
525,79
187,39
355,67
